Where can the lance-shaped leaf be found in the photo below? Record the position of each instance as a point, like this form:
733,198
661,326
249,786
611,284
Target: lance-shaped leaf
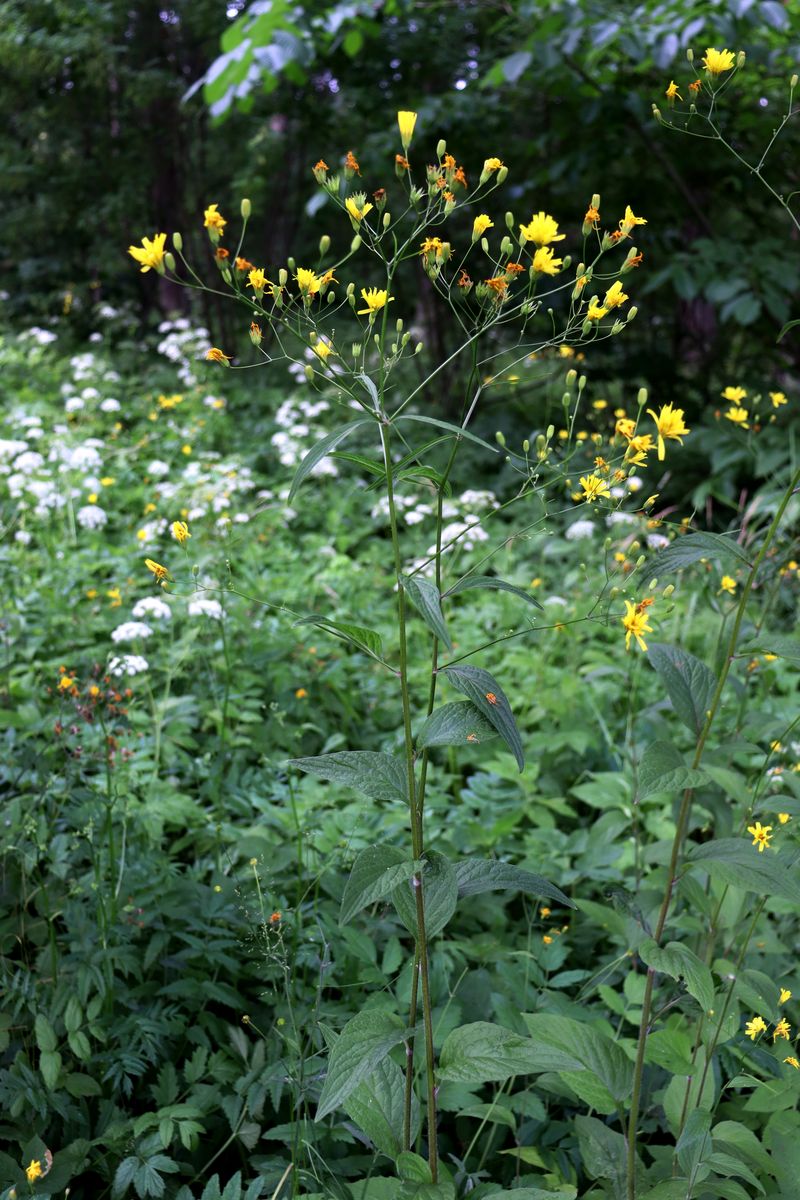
679,962
362,1045
489,698
689,682
377,871
439,895
377,1106
378,775
774,643
691,548
357,635
662,769
738,863
321,450
425,597
457,724
475,875
493,583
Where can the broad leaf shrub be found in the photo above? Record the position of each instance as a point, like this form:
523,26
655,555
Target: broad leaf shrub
278,922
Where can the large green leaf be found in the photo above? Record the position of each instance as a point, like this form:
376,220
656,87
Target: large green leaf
663,769
357,635
486,694
493,583
689,682
477,875
457,724
322,449
456,430
694,1145
595,1052
774,643
425,597
603,1152
677,1103
482,1053
381,776
377,1107
738,863
377,871
691,548
362,1045
439,895
679,962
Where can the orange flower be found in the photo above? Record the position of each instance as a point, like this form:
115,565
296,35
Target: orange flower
351,163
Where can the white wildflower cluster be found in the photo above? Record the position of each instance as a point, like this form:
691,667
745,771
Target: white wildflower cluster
131,631
296,433
127,665
153,607
42,337
205,606
184,344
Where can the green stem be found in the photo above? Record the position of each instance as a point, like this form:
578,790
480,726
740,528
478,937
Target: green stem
680,832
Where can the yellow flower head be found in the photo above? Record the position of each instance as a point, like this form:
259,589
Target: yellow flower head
669,423
792,1061
308,282
357,206
213,220
755,1027
432,245
151,253
727,584
544,262
672,92
180,531
734,394
762,835
629,220
784,818
323,349
65,683
595,311
257,280
594,488
716,62
782,1029
161,573
301,693
615,296
480,225
406,122
216,355
784,996
34,1171
375,299
777,399
737,415
542,230
635,622
625,426
638,449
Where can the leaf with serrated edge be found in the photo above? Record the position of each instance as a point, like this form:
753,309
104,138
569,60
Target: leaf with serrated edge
356,635
478,686
679,962
691,548
689,682
377,1106
362,1045
439,895
662,769
381,776
485,1053
376,872
477,875
457,724
738,863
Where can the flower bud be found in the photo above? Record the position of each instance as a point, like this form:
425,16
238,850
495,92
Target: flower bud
283,277
309,372
177,241
355,349
246,208
502,174
640,560
641,397
690,54
613,593
226,275
540,443
668,590
441,147
255,334
387,220
632,311
485,245
793,82
566,399
418,347
506,246
652,585
500,438
657,114
741,59
634,546
415,195
405,338
526,446
567,262
572,375
549,432
291,264
581,382
330,297
324,245
169,262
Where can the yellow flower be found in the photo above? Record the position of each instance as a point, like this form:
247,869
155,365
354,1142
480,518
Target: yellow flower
107,480
215,355
323,349
65,683
638,449
161,573
625,426
672,92
308,282
542,229
792,1061
479,226
357,207
669,424
432,245
784,996
544,911
615,296
257,280
734,394
213,220
718,61
727,584
301,693
754,1027
595,311
375,299
150,254
635,622
777,399
548,941
782,1029
180,531
491,164
629,220
544,263
761,835
406,122
34,1171
115,596
593,488
784,818
737,415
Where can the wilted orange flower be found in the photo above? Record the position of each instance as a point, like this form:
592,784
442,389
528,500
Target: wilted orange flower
216,355
351,163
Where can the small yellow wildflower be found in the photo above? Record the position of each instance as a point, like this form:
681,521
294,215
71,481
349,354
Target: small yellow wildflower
595,311
491,164
737,415
479,226
65,683
638,449
594,488
669,423
115,596
34,1171
161,573
358,207
406,122
635,622
432,245
548,941
777,398
216,355
180,531
755,1027
718,61
672,92
784,996
761,835
784,818
186,449
629,220
734,394
545,263
151,253
542,230
727,584
308,282
544,911
782,1029
257,280
615,296
213,220
375,299
323,349
792,1061
301,693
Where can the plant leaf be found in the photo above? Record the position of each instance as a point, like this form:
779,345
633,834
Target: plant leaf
321,450
689,682
478,685
490,581
482,1053
738,863
456,724
679,962
774,643
425,597
376,872
662,769
362,1045
595,1052
475,875
691,548
377,1106
381,776
357,635
439,895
